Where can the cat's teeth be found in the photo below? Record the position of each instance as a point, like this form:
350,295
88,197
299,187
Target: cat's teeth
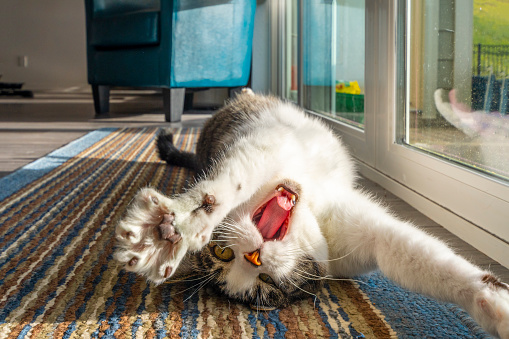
280,189
293,197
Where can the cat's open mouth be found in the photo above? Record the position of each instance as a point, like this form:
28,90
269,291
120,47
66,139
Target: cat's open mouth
273,217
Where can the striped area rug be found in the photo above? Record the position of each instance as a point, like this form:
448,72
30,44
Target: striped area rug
58,279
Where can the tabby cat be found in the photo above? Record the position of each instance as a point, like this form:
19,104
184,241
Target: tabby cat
275,209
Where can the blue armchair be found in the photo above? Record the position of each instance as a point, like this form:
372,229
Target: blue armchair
168,44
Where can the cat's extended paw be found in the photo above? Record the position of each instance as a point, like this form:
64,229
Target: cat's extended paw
147,241
492,306
157,231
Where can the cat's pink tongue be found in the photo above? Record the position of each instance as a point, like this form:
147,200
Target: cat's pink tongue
274,215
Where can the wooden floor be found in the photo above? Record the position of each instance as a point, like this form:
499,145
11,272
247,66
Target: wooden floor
31,128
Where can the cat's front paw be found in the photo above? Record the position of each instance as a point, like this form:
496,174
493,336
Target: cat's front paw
492,306
157,231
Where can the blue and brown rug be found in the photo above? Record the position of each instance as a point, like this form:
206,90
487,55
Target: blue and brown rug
58,279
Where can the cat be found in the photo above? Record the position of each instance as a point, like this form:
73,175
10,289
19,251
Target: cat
275,209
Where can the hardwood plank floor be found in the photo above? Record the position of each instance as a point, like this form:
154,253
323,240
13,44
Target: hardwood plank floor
31,128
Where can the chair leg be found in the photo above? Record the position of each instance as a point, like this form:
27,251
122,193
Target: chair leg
101,96
188,101
173,100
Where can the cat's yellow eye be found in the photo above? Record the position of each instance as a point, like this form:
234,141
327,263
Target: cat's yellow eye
266,278
223,253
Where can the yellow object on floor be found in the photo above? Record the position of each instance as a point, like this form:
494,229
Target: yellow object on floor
349,87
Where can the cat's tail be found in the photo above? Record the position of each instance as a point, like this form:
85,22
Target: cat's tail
172,155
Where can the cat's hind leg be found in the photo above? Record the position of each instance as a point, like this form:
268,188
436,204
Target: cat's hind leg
418,261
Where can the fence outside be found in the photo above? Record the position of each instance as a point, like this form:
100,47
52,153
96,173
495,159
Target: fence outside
491,59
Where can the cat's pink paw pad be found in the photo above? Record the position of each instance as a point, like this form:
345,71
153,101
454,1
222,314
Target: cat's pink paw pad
148,241
167,229
492,303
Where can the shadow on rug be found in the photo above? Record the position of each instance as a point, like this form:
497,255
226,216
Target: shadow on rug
58,279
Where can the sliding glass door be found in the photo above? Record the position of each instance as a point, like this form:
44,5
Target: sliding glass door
324,65
419,94
330,36
458,82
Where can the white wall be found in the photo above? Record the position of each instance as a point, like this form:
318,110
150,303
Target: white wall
52,34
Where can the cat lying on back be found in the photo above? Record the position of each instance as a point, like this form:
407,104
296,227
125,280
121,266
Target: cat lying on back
275,201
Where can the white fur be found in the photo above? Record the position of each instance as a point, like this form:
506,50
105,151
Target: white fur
331,220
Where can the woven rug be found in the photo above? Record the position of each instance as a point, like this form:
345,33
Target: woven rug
58,279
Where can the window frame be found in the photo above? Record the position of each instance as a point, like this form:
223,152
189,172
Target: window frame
470,204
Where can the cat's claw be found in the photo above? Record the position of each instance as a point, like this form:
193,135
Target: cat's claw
157,231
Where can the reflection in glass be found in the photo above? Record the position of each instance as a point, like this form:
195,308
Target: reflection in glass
458,54
332,40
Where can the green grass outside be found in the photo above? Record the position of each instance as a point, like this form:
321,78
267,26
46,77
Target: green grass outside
491,22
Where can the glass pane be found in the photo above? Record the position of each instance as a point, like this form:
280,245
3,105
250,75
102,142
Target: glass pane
349,77
458,54
332,58
292,45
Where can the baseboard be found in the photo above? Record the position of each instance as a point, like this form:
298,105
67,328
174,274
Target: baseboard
472,234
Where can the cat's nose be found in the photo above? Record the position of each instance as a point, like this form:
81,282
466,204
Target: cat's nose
253,257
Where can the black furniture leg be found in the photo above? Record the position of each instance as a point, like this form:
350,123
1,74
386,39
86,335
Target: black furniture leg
188,100
173,99
101,95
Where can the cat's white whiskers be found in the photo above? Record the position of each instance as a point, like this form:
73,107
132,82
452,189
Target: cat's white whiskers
300,288
312,276
223,228
223,233
229,246
257,299
232,226
225,237
308,274
316,277
340,258
230,221
206,278
195,279
308,277
228,224
201,285
217,240
226,241
302,249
